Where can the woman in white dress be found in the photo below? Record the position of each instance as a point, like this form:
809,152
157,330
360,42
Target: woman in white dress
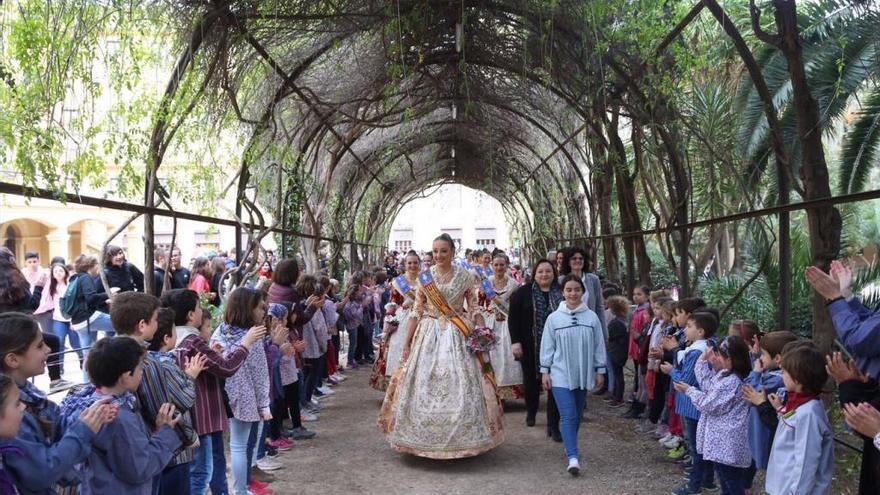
442,401
404,295
394,336
508,372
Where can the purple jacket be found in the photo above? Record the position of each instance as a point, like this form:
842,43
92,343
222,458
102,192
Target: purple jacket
723,429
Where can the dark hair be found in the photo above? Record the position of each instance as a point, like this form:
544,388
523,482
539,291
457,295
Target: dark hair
646,289
573,278
305,286
84,263
112,357
240,307
201,266
6,384
286,272
29,255
182,301
610,291
618,305
53,284
502,255
774,342
380,276
58,259
13,286
163,329
737,350
706,320
160,254
218,266
747,329
566,258
544,260
447,239
110,253
130,308
668,305
804,362
690,304
17,332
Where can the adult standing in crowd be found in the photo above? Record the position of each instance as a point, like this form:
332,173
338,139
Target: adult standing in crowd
16,295
179,275
201,276
530,305
91,312
35,274
218,270
160,257
122,276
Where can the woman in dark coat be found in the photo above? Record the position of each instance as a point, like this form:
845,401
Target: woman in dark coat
16,295
529,307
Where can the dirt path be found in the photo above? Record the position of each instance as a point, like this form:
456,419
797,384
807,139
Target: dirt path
350,455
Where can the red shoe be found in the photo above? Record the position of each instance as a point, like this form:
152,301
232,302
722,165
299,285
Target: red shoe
259,490
282,444
259,484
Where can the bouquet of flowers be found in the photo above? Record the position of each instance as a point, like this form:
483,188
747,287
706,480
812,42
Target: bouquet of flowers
391,317
481,339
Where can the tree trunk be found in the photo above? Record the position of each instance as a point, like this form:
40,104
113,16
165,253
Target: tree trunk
824,222
602,183
644,261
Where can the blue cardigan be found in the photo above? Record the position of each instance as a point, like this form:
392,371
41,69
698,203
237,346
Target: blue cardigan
760,435
47,460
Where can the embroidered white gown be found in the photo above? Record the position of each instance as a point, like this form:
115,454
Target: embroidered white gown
439,403
508,371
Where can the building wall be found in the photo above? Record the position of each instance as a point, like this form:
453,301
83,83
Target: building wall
56,229
463,212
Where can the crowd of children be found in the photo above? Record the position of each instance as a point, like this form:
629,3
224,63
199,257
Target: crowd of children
174,388
725,408
166,388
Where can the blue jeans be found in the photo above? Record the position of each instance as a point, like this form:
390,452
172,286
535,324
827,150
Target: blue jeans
732,479
88,332
571,404
201,466
242,440
261,442
219,486
352,342
62,330
702,473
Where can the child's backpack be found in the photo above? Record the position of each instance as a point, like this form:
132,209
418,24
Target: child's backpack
71,303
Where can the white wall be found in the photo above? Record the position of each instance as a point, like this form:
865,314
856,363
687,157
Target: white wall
450,207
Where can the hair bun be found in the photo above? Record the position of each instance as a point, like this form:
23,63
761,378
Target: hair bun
445,237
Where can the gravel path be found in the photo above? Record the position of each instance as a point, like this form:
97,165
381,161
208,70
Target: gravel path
350,455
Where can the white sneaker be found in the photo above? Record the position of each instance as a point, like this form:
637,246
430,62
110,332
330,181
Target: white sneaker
269,464
574,467
665,438
307,416
339,378
672,443
326,390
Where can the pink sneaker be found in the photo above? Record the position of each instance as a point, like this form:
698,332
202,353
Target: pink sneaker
282,444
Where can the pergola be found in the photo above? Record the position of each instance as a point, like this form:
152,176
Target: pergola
353,108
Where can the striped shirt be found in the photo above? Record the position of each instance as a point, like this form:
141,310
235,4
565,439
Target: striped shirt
163,381
209,413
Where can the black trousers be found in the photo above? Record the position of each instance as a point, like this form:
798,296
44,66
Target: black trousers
616,369
291,404
532,392
55,358
656,405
